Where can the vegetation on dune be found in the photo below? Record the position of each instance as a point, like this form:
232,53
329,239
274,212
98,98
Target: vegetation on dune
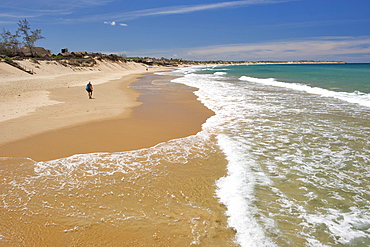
10,44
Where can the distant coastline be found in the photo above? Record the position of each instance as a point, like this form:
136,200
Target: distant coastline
258,63
299,62
182,62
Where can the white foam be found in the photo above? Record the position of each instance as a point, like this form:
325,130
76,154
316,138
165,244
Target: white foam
355,97
236,192
251,111
344,226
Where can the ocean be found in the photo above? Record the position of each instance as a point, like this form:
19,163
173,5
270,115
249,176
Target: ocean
293,145
297,141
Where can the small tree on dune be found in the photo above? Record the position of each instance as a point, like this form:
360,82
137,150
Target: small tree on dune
29,36
10,43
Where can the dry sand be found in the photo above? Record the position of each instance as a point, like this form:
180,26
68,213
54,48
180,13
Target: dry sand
55,97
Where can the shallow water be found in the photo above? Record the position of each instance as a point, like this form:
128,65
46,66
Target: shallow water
298,154
162,195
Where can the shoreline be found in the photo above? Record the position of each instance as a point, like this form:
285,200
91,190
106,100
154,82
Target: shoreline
116,120
133,198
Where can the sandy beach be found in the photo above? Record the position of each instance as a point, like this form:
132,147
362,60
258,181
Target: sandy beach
114,120
48,116
57,94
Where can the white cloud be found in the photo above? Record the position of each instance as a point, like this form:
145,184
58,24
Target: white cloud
68,9
39,8
113,23
65,4
321,48
9,16
337,48
182,9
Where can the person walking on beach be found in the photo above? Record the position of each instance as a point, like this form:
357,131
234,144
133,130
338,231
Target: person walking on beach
89,89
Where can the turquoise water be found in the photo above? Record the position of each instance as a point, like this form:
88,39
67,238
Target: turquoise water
337,77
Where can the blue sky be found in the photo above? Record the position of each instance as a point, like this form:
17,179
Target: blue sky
250,30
